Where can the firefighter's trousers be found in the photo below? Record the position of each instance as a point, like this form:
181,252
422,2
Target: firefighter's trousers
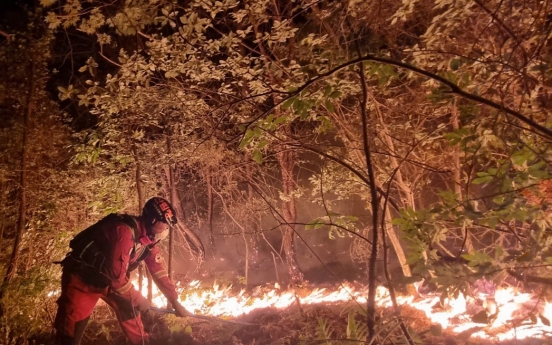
76,303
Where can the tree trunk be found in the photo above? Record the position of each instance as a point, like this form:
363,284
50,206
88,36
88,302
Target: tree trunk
254,248
141,201
457,175
209,181
391,287
395,242
371,264
12,264
286,161
407,195
173,197
407,199
193,242
358,158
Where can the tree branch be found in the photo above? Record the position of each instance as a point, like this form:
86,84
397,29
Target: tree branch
455,89
452,86
5,34
530,278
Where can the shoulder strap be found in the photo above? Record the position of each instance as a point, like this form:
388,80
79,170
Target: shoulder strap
131,222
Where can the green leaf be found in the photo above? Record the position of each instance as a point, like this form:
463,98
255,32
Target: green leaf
329,105
492,222
453,138
477,258
289,103
315,224
257,156
249,134
335,94
483,177
327,90
520,157
262,143
451,77
454,64
280,119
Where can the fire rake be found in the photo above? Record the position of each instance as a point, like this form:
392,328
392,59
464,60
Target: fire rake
203,317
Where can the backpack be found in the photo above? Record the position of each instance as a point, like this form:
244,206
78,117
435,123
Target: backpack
86,258
84,239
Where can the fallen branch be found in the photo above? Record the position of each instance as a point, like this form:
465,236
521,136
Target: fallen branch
529,278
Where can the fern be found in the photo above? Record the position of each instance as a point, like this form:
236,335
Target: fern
356,331
351,327
324,332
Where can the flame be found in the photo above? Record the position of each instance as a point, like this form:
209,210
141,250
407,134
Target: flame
507,320
222,301
512,314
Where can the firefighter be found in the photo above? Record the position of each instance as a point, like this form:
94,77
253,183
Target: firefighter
99,264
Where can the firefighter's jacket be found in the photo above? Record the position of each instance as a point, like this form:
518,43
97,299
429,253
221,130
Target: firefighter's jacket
121,248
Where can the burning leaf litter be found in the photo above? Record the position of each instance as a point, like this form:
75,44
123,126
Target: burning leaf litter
507,314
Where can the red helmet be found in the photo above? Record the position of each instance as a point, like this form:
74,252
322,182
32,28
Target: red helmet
159,209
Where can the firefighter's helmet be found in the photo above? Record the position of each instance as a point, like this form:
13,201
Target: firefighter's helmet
159,209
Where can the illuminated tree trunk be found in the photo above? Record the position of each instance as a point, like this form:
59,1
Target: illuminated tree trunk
289,212
405,190
457,176
253,245
286,161
191,240
141,201
348,136
173,197
12,264
209,184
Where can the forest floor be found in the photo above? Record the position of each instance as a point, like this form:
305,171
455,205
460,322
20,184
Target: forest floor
292,326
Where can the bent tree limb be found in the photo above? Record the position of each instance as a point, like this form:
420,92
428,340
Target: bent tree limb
453,88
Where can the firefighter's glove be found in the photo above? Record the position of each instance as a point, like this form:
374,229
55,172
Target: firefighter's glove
179,310
143,306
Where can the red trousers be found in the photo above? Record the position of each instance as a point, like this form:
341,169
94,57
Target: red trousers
76,303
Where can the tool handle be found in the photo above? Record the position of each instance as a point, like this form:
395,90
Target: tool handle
203,317
161,310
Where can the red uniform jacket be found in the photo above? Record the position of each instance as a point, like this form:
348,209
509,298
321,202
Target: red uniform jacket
122,248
